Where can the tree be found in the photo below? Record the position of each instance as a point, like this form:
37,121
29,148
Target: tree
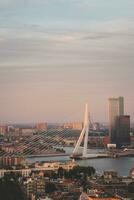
79,172
50,187
10,188
131,187
61,172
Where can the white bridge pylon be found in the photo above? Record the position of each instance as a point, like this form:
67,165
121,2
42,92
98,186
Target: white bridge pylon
83,135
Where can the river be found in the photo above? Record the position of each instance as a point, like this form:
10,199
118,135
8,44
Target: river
121,165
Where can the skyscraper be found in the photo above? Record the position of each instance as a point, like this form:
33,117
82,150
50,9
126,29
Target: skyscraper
116,108
122,136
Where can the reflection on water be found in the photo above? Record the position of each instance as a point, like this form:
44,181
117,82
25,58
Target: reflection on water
121,165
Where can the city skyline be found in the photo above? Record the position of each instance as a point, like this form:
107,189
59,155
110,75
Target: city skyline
71,120
57,55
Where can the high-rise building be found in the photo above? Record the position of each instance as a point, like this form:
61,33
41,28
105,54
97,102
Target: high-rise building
116,108
77,126
122,137
42,126
74,125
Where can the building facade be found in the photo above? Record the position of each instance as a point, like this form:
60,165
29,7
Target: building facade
73,126
11,161
119,124
3,129
116,108
42,126
122,137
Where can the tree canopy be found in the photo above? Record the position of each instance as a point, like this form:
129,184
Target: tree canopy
10,188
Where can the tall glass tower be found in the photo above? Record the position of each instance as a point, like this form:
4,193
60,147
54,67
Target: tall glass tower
116,109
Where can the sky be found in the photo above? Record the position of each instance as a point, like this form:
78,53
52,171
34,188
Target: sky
56,55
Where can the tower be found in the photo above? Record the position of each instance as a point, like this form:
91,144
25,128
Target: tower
122,131
116,108
119,124
83,135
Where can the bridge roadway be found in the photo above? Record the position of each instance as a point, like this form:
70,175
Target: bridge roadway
105,155
129,153
67,154
47,155
90,156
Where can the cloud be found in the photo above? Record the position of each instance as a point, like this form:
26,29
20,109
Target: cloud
64,66
109,43
8,3
103,29
101,47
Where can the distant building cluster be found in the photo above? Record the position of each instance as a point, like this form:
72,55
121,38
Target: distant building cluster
31,140
42,126
37,167
3,129
10,161
74,126
14,130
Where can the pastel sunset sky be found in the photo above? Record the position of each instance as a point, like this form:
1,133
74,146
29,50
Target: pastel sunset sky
56,55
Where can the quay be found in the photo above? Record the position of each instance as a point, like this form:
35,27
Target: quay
129,153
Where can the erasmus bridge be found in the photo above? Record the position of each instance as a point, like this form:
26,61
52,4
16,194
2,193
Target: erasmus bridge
51,143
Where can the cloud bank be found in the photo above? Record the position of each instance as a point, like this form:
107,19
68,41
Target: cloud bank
51,65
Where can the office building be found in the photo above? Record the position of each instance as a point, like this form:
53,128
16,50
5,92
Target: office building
122,137
116,108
